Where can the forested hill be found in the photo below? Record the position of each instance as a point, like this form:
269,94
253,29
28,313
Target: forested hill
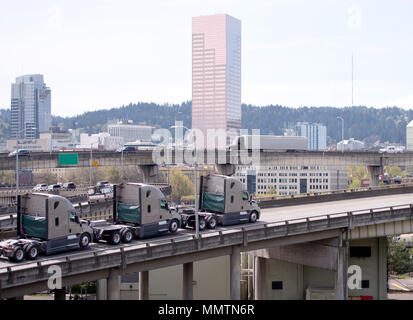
386,124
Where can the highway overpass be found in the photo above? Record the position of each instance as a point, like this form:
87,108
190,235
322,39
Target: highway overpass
225,161
335,222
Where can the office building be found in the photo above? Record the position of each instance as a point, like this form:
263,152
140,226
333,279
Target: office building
101,141
30,107
130,132
315,132
291,180
216,74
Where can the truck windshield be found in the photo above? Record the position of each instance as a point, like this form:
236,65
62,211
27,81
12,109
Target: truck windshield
245,196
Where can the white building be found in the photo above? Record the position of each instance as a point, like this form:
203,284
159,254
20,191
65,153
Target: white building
409,136
130,132
101,141
290,180
350,145
315,132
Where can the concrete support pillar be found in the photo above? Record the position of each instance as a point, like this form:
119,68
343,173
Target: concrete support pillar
374,173
60,294
144,285
113,285
340,283
259,278
382,268
235,273
149,172
188,278
101,289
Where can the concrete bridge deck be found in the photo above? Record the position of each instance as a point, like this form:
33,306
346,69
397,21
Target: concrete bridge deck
45,160
278,226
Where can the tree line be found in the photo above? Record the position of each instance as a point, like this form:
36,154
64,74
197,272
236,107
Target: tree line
360,122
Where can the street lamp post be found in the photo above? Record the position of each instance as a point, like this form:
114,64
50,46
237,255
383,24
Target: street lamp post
17,161
195,183
342,130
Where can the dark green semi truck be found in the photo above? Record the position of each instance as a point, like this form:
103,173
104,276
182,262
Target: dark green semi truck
46,224
223,200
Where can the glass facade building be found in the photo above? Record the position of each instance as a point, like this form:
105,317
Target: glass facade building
216,73
30,107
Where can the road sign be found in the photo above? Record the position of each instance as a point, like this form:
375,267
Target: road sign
68,159
95,163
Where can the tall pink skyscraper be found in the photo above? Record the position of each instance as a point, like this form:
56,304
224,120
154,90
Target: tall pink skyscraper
216,73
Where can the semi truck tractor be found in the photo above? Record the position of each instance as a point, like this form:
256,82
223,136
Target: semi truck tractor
144,209
45,224
222,200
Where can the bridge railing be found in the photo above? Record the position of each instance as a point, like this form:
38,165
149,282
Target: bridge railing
340,191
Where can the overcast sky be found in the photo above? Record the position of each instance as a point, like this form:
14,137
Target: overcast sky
101,53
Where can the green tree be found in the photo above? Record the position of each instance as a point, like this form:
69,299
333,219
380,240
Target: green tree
181,185
398,256
394,171
355,175
271,191
8,176
44,176
112,174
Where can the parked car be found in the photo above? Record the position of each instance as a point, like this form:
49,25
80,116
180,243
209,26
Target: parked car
126,149
40,187
54,187
69,186
22,152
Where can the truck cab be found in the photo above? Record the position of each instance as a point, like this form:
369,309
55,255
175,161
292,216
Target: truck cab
46,224
145,207
227,197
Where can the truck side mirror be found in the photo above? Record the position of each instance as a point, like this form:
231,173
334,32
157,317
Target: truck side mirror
77,219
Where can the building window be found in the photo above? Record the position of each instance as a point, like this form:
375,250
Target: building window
277,285
360,252
365,284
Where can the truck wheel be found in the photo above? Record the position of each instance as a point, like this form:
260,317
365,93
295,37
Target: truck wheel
253,216
115,238
173,227
127,236
212,223
202,224
84,240
18,255
31,252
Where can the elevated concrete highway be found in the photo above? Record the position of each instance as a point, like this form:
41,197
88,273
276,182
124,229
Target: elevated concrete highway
45,160
355,219
225,161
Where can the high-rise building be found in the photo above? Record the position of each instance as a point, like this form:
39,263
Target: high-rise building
216,73
130,132
315,132
30,107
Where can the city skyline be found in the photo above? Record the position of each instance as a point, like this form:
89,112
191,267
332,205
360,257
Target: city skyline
294,53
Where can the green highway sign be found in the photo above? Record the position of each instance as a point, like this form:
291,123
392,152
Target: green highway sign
68,159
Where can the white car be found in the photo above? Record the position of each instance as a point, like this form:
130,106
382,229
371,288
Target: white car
40,187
